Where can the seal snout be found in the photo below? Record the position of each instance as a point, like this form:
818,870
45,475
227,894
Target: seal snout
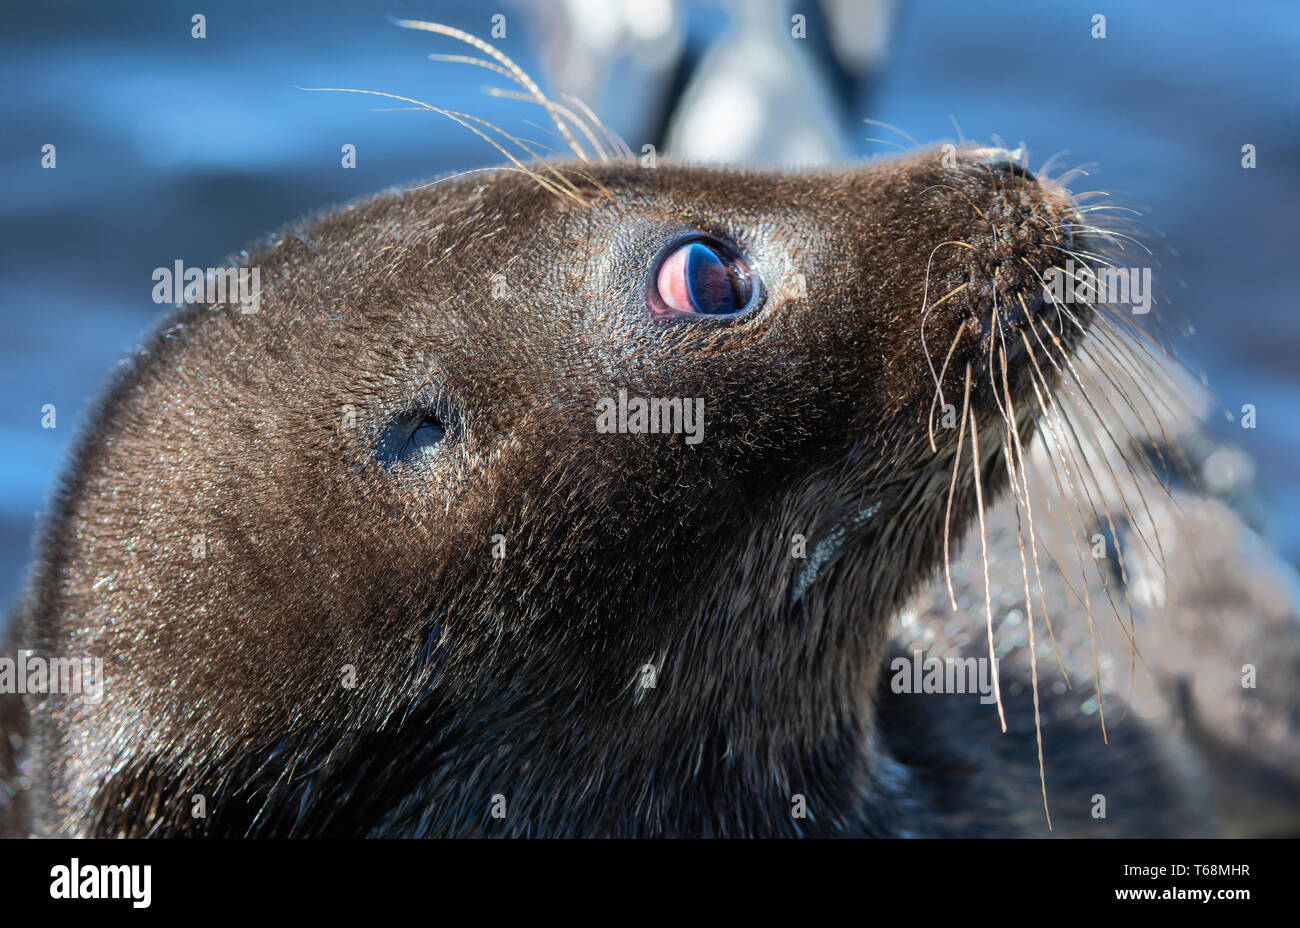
1000,235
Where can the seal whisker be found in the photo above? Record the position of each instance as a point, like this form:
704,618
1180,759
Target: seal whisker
1088,257
1078,443
1123,350
887,142
541,161
961,136
464,120
1068,426
1046,165
1033,535
1020,491
1099,512
498,169
1113,235
1084,196
541,146
1146,342
1080,171
527,144
1091,336
1084,395
1120,355
1049,410
984,551
893,128
571,168
1084,210
1110,234
1073,498
619,145
476,62
938,393
1055,230
1107,350
562,111
1138,339
952,486
925,308
521,76
615,141
993,342
1140,528
1111,525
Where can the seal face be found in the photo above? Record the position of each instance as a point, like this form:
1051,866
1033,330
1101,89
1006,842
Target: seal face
432,588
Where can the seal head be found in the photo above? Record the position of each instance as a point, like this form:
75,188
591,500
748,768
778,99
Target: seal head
370,561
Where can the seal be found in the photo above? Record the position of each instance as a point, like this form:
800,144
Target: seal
401,554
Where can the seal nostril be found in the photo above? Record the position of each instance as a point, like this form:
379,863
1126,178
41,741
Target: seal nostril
1007,161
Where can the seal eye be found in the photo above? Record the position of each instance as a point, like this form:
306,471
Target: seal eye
410,439
704,278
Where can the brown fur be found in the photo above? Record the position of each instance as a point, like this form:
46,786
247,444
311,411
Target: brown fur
518,676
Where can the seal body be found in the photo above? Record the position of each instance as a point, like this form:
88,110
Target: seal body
535,626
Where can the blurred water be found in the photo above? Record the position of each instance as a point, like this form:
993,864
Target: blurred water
170,147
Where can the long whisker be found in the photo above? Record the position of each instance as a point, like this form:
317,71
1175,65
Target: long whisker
887,142
520,76
984,549
952,486
1078,548
466,120
1099,512
1137,341
562,111
1086,398
1033,535
1021,491
999,340
615,140
893,128
938,393
475,62
1114,537
925,308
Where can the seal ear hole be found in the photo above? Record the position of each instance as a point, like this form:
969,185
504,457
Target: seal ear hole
413,437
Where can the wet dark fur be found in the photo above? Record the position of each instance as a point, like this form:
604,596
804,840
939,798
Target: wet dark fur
478,676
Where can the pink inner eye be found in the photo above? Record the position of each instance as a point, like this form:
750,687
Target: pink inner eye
672,282
698,279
